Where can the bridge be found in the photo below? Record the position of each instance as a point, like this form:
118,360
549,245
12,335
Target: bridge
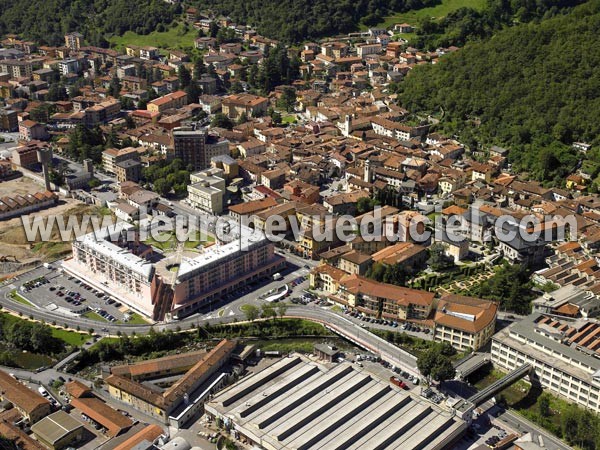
470,364
488,392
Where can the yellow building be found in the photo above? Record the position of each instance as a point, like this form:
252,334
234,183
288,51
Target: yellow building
465,322
326,278
125,383
383,300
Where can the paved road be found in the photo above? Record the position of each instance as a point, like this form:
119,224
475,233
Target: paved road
231,312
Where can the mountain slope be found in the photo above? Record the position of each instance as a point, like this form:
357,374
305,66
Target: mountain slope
47,21
535,87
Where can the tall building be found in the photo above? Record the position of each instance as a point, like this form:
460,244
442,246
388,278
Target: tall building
195,147
74,40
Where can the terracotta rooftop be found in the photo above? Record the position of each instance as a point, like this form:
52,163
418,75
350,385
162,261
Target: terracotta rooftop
149,433
403,296
468,314
109,418
19,394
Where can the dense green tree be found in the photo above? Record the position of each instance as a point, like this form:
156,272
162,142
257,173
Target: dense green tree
251,312
510,285
299,20
528,87
438,260
221,121
114,89
47,21
185,77
287,100
434,365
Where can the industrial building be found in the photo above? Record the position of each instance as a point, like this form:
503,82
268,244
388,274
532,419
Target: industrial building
562,352
58,430
171,389
30,404
299,404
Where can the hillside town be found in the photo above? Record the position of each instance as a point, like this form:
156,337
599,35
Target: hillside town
251,334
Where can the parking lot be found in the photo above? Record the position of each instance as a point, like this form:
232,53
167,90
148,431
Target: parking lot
382,370
60,292
409,328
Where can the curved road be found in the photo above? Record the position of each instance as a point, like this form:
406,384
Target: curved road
336,323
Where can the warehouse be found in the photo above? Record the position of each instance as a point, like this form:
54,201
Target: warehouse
58,430
299,404
154,387
30,404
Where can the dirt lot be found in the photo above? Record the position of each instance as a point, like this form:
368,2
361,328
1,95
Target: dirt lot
15,250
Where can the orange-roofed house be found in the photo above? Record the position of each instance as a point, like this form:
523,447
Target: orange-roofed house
177,99
248,104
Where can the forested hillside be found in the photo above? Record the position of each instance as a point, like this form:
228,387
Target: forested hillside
299,20
534,87
47,21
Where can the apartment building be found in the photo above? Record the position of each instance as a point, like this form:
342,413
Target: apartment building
250,105
563,354
74,40
396,130
196,147
175,100
464,322
30,404
113,156
114,261
8,120
206,190
16,68
383,300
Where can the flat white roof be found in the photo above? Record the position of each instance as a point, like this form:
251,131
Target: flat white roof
243,239
99,241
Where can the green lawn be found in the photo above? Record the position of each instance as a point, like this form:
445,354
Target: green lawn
137,319
95,316
289,119
18,298
174,38
437,12
70,337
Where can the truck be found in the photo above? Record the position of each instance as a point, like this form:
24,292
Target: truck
276,276
398,382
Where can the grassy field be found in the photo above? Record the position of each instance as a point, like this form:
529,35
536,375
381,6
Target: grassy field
289,119
174,38
95,316
136,319
17,298
436,12
70,337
